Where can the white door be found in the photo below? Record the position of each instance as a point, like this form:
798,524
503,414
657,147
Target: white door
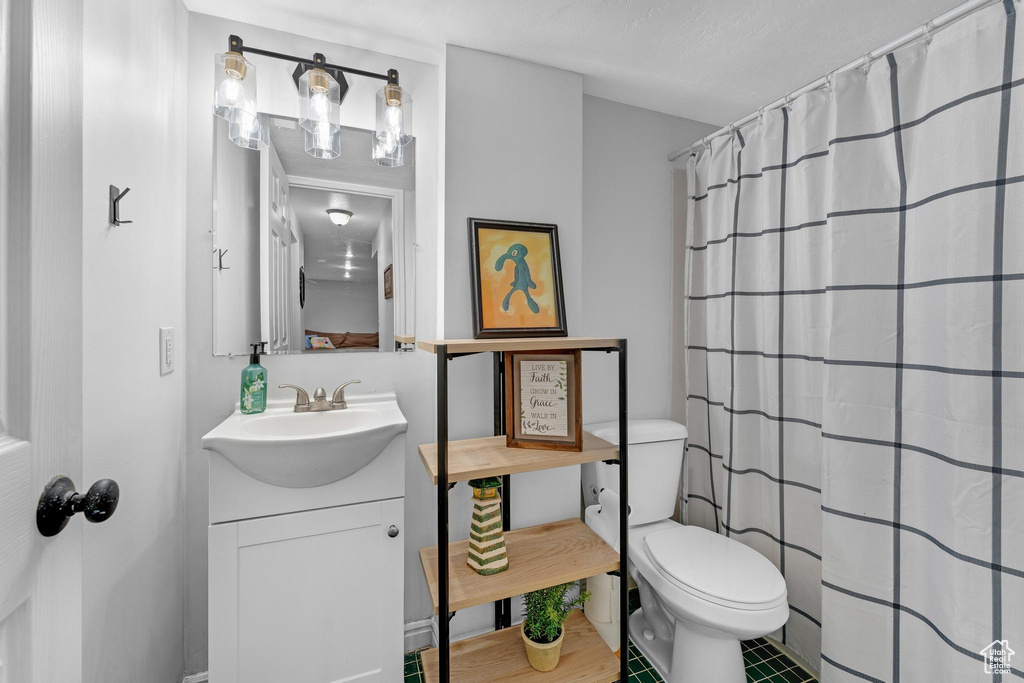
40,328
308,597
276,278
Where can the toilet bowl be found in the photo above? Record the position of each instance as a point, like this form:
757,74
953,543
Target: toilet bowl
701,593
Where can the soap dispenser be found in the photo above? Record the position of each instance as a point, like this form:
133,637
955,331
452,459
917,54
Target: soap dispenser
254,383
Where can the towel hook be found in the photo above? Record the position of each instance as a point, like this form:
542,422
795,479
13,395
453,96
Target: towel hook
220,259
115,205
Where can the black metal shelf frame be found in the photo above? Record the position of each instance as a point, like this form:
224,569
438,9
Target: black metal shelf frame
503,608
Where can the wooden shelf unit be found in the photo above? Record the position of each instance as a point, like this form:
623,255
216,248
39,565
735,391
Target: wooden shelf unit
490,457
501,656
539,556
526,344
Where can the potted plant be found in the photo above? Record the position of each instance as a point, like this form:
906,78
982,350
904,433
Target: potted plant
543,632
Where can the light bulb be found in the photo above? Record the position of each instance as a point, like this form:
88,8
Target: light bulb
323,134
393,120
231,91
320,105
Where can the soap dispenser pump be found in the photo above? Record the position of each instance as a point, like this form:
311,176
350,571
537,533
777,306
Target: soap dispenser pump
254,383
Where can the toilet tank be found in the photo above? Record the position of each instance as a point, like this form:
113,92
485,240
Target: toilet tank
655,465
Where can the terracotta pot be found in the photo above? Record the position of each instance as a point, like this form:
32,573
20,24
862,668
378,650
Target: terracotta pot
543,656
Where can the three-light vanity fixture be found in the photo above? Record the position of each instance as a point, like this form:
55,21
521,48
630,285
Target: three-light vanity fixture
322,88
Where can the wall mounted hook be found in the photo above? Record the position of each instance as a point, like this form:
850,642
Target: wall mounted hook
220,259
115,205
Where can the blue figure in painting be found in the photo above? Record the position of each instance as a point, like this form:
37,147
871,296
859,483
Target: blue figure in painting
521,279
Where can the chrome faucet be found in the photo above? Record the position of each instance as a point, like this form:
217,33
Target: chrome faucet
338,401
320,402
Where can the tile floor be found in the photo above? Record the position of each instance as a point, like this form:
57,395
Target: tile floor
764,663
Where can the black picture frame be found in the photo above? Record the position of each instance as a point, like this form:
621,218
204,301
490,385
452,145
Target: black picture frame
560,329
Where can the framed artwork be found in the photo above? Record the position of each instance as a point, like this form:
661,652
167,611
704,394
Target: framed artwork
388,289
543,401
302,287
517,280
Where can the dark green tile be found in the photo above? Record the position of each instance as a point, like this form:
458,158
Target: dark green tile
794,675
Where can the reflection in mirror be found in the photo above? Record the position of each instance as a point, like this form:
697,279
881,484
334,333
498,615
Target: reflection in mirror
312,256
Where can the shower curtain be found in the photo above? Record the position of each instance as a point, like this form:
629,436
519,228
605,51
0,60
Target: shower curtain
855,357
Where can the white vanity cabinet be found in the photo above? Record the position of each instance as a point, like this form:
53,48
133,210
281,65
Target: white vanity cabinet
308,596
306,585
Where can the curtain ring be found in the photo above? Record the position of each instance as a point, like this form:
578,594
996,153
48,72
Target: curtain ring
866,62
787,102
760,115
829,82
928,33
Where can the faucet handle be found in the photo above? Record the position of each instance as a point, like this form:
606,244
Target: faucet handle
301,397
338,400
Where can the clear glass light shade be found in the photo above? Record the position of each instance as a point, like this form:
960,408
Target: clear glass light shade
394,117
388,153
251,131
319,100
234,86
324,142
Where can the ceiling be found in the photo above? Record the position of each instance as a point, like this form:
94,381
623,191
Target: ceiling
708,60
327,247
353,165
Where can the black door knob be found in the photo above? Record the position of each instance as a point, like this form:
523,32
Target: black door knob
60,501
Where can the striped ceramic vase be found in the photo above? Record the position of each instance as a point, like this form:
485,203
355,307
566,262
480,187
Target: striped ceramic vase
487,552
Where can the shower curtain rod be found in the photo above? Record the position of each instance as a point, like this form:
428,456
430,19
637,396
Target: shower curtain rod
927,29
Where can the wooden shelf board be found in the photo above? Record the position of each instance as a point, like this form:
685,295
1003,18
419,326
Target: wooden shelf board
490,457
525,344
501,656
538,557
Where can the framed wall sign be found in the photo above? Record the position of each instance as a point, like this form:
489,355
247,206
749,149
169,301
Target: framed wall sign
388,283
543,407
517,280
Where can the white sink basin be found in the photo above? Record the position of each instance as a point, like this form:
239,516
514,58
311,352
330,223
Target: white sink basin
300,450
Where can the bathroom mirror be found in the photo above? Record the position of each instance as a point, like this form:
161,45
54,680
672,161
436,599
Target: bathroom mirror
311,255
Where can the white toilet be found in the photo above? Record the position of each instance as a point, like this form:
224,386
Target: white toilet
700,592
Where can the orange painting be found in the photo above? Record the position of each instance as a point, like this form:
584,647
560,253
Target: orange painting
517,279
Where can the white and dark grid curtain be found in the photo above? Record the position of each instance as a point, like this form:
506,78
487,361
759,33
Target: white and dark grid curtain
855,356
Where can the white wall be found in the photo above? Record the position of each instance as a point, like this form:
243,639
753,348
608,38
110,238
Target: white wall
340,306
627,251
134,283
237,224
513,151
213,382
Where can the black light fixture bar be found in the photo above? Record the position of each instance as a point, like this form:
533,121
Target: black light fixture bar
235,44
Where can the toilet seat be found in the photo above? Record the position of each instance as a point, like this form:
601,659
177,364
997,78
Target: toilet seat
715,568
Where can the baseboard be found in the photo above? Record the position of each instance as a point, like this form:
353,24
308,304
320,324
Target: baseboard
433,629
435,635
800,661
420,634
203,677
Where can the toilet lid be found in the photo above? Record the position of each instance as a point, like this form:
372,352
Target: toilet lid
715,567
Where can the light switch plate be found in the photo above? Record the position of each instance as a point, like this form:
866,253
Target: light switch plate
166,350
